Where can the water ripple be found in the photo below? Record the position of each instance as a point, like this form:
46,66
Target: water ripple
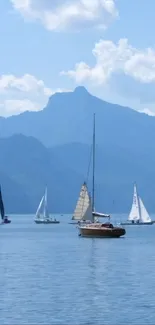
49,275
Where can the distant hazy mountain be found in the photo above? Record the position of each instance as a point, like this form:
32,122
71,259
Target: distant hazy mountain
125,153
68,118
26,167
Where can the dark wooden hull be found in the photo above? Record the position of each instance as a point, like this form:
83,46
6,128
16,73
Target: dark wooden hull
101,231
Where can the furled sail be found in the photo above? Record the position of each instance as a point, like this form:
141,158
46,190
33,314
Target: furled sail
135,211
83,210
101,215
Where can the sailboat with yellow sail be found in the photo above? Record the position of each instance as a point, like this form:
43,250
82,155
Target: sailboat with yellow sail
83,209
94,229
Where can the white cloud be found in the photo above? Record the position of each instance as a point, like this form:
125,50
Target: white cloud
114,58
141,66
62,14
27,83
18,94
16,106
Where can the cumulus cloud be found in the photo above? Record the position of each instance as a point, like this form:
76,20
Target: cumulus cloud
16,106
121,73
19,94
27,83
62,14
114,58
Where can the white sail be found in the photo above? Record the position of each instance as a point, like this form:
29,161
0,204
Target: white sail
38,213
45,205
144,216
42,212
135,211
83,210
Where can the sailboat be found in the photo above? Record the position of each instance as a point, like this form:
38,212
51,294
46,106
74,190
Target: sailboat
42,215
138,214
2,211
83,209
95,229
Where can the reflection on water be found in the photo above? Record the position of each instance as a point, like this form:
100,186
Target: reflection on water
50,275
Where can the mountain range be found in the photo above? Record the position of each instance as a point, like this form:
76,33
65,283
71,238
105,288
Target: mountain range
52,147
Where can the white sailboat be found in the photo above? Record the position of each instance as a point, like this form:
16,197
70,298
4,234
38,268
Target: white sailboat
42,215
83,209
138,214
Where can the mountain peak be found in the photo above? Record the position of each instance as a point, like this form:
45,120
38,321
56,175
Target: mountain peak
81,90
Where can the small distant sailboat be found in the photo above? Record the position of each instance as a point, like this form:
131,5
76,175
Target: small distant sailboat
138,214
5,219
42,215
83,209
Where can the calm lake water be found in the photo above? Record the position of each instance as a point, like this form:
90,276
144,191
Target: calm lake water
49,275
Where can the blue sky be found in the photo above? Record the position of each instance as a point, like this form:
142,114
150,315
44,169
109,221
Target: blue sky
55,45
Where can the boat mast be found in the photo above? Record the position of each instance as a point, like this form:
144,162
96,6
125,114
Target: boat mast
93,185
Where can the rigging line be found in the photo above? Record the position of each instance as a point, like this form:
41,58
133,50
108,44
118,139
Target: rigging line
88,171
90,157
